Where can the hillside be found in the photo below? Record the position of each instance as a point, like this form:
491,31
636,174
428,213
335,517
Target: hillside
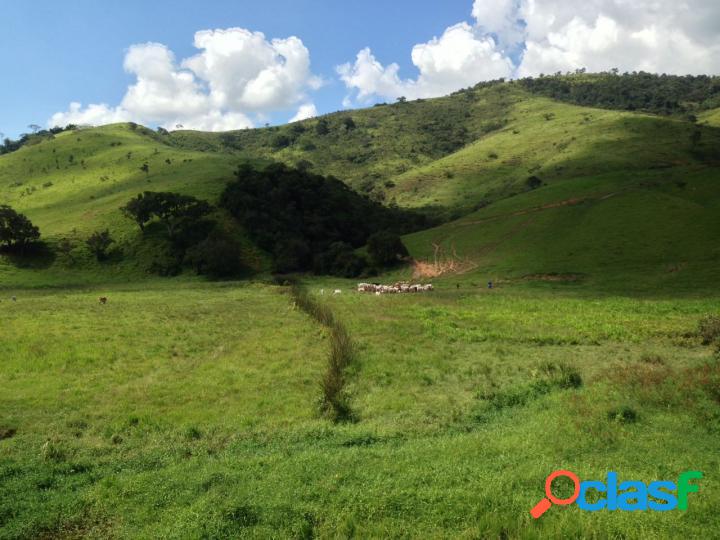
487,157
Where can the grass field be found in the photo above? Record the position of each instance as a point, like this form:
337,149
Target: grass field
191,410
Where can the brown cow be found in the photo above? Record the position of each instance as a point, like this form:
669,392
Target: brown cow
103,299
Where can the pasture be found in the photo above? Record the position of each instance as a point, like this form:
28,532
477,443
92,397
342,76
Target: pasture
187,409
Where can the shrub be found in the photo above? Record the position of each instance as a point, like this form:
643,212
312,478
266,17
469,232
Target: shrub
99,243
624,415
533,182
280,141
709,329
322,128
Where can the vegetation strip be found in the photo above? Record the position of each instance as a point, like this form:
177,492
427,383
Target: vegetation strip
335,403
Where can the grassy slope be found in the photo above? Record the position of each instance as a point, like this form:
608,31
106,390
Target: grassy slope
75,184
655,230
711,117
385,142
555,142
627,202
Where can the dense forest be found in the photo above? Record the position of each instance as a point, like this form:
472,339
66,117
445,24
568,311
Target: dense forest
310,222
637,91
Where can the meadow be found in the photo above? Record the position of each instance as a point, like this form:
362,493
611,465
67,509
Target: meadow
188,409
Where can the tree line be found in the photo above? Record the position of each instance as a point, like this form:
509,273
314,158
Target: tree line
636,91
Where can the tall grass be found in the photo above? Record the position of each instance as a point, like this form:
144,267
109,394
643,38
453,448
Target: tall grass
335,401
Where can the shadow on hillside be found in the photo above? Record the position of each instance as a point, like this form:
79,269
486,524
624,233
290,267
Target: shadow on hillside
37,256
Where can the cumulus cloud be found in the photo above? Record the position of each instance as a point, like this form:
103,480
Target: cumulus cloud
460,57
516,38
306,110
90,115
651,35
237,73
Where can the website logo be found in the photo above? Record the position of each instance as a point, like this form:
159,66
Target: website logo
659,496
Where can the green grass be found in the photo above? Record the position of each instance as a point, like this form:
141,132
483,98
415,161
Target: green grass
192,410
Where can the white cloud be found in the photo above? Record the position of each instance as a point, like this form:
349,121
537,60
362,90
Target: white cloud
501,18
513,38
668,36
91,115
306,110
236,73
458,58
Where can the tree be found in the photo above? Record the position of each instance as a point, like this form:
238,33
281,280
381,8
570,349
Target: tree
99,243
349,123
35,128
322,127
386,249
65,247
280,141
16,230
172,209
219,255
402,99
140,209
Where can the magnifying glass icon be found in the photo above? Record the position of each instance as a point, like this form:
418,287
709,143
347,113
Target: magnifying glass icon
540,508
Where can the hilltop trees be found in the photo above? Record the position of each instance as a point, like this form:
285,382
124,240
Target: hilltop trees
661,94
16,230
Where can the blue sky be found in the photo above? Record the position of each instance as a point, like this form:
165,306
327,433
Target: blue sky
96,54
73,50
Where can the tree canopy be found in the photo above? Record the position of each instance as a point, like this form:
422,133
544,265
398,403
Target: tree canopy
16,230
307,221
171,209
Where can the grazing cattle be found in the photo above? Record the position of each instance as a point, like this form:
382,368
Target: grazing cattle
337,291
103,299
13,299
400,287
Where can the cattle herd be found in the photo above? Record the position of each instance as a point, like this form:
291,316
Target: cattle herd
379,289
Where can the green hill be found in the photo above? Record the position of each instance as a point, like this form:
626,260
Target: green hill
533,185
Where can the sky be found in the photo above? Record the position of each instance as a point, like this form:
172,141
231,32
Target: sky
221,64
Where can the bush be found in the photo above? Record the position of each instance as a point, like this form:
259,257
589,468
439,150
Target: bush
533,182
99,243
322,127
280,141
624,415
709,329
